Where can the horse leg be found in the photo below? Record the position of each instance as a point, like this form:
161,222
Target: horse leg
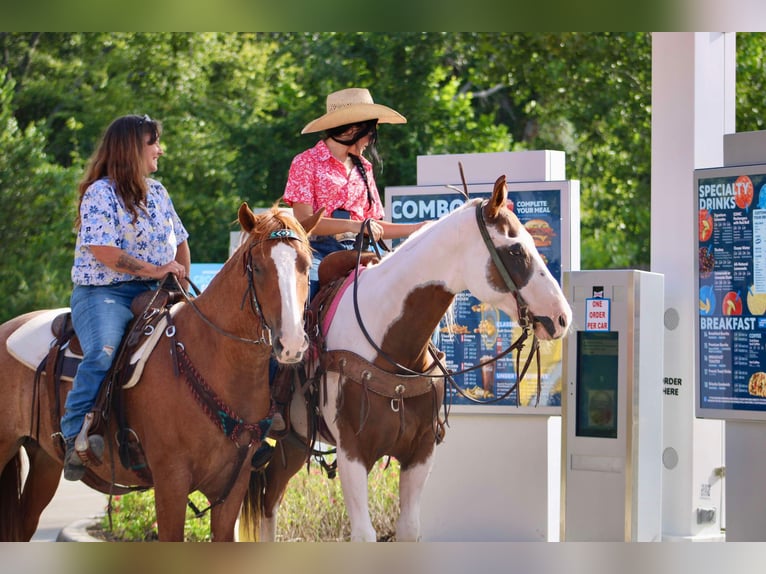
289,457
170,496
258,519
40,486
11,517
353,482
223,517
411,483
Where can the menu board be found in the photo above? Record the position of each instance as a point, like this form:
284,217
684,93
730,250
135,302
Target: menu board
731,286
474,332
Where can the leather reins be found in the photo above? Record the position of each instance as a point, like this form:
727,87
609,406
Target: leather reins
524,322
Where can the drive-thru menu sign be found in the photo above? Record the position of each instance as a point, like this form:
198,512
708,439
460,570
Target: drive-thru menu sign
731,287
477,332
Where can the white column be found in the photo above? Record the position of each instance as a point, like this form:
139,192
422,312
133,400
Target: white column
693,107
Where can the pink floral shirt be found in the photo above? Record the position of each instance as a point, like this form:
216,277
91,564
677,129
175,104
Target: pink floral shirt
317,179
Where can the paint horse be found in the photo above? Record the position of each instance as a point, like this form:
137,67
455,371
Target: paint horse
208,372
379,339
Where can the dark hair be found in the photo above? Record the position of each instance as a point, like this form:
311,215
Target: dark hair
118,156
368,127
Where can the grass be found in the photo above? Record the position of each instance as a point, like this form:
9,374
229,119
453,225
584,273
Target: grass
312,510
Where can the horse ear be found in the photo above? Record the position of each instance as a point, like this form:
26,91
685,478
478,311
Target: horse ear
246,217
310,222
499,197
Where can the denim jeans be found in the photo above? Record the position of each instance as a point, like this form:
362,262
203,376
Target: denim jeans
100,315
323,246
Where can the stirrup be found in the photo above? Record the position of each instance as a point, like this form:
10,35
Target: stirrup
90,449
278,429
74,469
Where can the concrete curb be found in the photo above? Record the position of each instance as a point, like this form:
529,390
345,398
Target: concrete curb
78,531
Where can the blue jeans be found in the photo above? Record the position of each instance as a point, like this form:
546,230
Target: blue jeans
100,315
323,245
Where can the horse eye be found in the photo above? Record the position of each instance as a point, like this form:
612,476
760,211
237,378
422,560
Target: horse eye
516,249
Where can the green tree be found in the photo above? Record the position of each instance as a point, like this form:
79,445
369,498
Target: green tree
589,95
36,227
751,82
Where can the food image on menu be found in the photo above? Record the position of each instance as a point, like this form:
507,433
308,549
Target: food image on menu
540,231
743,192
707,262
487,329
476,392
757,384
488,326
756,302
731,304
707,300
454,329
706,225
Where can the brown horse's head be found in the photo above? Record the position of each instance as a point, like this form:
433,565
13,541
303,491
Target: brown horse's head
277,259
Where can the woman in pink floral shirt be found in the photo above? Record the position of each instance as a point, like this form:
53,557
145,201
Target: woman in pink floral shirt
335,175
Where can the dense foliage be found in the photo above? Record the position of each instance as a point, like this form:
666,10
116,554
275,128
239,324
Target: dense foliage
233,106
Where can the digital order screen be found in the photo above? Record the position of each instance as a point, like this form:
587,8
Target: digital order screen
597,378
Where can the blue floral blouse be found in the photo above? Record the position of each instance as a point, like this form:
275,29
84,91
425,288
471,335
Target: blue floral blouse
105,221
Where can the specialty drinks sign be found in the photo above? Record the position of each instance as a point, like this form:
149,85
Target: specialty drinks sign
731,253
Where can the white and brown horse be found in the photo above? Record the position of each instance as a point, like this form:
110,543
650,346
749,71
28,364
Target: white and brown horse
389,317
202,403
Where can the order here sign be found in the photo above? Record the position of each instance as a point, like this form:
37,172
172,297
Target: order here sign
597,314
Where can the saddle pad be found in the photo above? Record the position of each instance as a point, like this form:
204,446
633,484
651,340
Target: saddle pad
31,342
141,355
330,315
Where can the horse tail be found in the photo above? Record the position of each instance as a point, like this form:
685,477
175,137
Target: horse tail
252,507
10,500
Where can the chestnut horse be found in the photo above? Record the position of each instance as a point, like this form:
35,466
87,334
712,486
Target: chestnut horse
253,306
383,324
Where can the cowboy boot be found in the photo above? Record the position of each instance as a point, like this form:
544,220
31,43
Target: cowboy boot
74,469
281,392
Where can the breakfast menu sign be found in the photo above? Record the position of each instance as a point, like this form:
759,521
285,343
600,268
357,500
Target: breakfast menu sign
475,333
731,253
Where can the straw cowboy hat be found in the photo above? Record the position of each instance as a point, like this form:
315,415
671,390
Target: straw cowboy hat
350,106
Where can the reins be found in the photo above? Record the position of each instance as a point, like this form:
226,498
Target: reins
524,322
222,415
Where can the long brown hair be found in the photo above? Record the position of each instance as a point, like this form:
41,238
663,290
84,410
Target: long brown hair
119,158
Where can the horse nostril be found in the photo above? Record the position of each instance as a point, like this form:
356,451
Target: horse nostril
562,321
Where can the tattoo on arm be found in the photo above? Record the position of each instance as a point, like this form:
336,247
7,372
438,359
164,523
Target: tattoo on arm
129,264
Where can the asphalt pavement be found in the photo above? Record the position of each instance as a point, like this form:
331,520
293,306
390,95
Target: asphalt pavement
72,503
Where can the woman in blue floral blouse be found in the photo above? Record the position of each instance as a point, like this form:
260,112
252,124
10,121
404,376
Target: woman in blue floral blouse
128,238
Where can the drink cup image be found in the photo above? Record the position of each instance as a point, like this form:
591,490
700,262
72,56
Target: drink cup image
488,375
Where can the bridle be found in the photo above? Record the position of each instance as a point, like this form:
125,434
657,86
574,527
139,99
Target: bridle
250,295
524,322
222,415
